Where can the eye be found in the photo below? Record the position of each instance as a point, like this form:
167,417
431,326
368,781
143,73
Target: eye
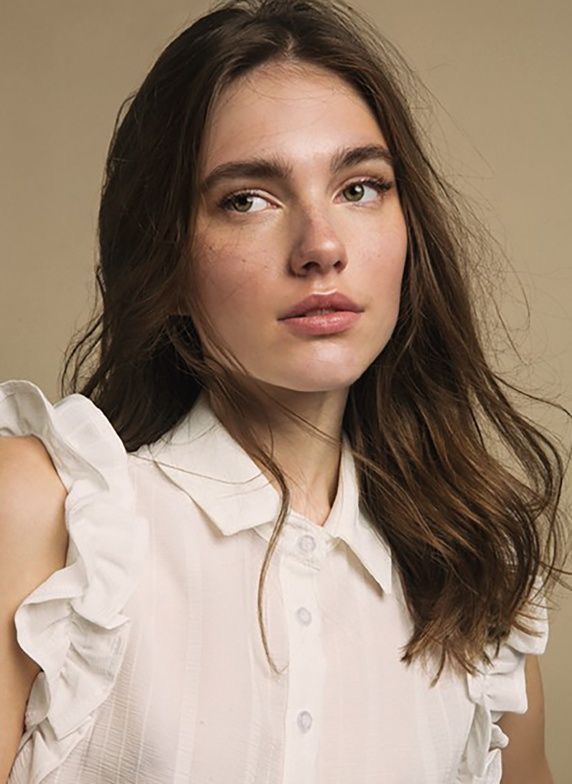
236,201
357,188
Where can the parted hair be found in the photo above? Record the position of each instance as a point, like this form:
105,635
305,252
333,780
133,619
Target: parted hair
465,488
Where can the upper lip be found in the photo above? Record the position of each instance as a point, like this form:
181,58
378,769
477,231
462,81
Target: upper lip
335,301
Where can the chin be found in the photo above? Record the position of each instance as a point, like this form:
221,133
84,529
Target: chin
300,383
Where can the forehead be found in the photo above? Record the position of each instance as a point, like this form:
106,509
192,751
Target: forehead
278,106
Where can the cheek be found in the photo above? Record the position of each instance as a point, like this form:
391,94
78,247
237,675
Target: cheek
387,263
229,282
397,252
218,268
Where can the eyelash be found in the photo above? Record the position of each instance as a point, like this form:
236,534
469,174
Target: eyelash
379,183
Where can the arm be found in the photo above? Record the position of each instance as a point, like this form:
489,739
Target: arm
524,759
33,542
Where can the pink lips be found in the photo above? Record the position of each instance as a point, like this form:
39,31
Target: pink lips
334,301
322,324
344,314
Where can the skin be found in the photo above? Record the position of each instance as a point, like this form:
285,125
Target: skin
524,759
310,233
313,233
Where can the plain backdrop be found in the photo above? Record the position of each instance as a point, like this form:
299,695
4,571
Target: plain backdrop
501,119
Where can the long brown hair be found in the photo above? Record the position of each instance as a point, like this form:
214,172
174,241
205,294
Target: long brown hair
469,537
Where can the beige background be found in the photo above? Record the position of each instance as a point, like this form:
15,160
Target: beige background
500,76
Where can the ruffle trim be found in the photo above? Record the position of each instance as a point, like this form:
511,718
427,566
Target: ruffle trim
72,624
497,689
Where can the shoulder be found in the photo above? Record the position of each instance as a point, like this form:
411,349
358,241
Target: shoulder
71,545
28,477
33,545
505,689
33,536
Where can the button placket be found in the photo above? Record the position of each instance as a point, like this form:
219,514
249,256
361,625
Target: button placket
300,572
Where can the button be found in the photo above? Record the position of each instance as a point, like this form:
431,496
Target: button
304,615
304,721
307,543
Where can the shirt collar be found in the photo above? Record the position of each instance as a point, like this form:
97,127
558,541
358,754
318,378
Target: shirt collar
200,456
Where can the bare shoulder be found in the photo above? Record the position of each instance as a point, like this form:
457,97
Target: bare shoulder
32,498
33,545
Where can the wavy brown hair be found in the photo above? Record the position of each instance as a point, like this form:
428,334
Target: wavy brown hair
471,533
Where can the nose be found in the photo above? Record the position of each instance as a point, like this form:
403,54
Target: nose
317,247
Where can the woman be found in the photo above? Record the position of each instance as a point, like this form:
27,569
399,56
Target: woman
268,169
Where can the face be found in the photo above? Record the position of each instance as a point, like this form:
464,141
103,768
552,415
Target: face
267,239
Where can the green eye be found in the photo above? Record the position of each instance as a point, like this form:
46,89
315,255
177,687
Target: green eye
241,201
238,204
379,185
359,187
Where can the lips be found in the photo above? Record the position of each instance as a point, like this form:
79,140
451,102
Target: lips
335,301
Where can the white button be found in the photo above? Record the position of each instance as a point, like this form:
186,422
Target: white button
304,720
306,543
304,615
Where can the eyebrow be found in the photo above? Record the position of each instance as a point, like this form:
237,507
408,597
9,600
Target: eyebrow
277,168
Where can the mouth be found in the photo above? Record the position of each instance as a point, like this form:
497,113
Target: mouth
322,322
321,304
317,312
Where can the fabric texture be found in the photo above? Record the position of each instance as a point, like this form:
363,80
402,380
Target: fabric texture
72,624
153,667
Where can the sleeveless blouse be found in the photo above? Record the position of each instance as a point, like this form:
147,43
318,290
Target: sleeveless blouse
152,664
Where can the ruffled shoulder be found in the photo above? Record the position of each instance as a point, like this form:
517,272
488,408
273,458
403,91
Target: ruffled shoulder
497,689
72,625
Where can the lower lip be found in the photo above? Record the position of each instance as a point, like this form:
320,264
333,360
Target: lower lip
324,324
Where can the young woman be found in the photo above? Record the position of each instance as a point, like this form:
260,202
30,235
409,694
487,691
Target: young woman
270,537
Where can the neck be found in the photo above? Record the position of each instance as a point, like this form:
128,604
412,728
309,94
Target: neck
310,463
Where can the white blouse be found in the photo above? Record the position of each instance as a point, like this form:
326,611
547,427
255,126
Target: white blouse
153,668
